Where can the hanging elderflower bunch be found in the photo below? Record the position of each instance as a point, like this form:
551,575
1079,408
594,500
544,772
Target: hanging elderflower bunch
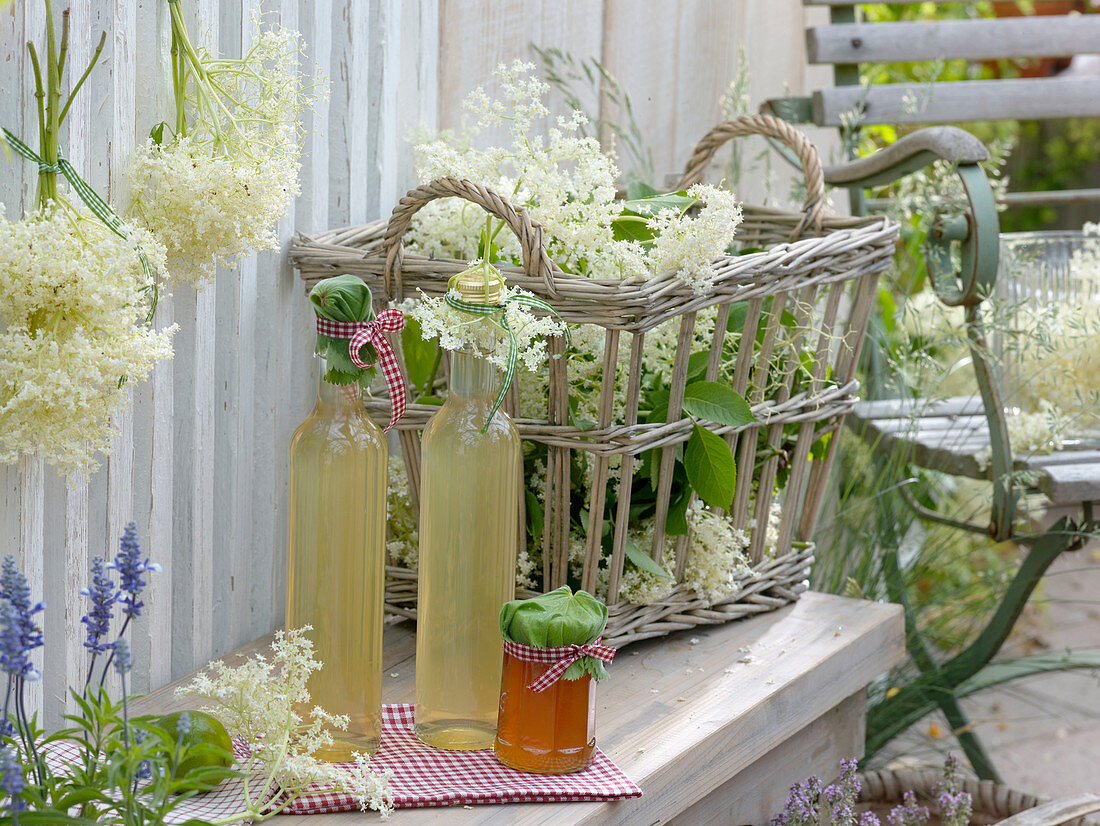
77,295
214,192
566,182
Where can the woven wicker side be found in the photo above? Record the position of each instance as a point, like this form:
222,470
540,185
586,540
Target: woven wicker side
782,325
991,802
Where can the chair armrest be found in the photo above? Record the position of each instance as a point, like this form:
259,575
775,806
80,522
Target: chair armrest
910,153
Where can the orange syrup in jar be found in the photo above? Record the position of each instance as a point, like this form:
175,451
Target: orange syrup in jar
549,733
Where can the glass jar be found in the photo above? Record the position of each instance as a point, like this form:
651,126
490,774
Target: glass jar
470,486
552,732
336,559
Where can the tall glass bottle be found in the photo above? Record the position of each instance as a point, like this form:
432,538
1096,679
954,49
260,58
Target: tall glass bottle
469,510
336,559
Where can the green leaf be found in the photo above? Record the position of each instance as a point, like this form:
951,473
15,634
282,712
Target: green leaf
631,227
419,354
643,561
658,406
721,404
697,365
710,467
676,524
534,514
658,203
636,190
1002,671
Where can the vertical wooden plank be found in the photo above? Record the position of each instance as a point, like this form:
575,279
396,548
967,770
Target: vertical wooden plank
154,103
706,62
417,97
242,390
32,489
640,48
12,109
349,168
85,23
382,139
475,38
13,58
203,447
32,554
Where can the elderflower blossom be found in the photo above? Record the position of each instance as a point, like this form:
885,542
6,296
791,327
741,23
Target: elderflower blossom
403,533
1030,434
73,302
213,194
259,702
717,554
210,210
687,246
566,183
457,330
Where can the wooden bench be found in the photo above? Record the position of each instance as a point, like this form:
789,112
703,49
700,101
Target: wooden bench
952,434
714,724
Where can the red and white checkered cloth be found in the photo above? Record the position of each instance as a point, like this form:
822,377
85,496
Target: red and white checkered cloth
423,776
360,333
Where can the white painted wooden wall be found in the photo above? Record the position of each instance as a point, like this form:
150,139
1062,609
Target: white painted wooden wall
200,463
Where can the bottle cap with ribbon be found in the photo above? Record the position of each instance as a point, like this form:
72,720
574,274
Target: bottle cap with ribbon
345,313
479,291
560,628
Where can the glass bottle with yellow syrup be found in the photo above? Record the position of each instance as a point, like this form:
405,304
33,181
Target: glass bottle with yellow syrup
336,559
469,511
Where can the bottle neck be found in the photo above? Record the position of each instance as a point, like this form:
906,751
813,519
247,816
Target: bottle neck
472,377
346,396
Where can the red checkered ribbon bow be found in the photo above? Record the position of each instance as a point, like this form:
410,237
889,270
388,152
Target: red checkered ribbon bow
561,659
360,333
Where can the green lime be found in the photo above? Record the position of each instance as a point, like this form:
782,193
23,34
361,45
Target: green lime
206,730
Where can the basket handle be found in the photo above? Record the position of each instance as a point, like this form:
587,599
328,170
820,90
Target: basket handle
536,263
813,210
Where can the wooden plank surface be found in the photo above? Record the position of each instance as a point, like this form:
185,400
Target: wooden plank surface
969,100
731,693
910,41
947,436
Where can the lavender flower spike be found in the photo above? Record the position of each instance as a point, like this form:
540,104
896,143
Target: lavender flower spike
11,778
123,658
14,588
103,595
130,568
13,651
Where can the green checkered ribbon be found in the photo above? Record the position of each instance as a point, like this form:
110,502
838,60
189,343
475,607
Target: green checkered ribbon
490,310
100,208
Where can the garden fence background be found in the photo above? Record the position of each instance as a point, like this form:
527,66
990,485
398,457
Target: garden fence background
200,463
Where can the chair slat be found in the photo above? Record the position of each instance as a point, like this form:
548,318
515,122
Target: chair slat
905,42
973,100
893,2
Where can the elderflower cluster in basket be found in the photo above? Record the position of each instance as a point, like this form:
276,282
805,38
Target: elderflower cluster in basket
73,332
214,192
566,182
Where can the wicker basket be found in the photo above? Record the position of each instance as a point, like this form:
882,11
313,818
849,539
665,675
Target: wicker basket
826,281
880,791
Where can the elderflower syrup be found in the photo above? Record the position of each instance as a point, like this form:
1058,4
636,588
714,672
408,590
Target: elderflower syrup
469,521
336,561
